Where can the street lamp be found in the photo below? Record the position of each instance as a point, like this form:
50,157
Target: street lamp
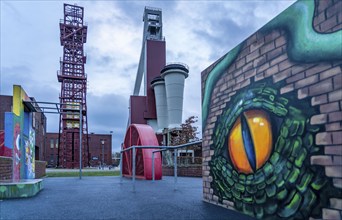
102,142
111,147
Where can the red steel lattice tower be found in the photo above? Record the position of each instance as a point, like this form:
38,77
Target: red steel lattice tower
73,34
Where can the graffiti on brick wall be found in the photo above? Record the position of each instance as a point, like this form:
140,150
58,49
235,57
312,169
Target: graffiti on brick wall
8,140
305,44
16,155
263,140
30,155
262,144
20,136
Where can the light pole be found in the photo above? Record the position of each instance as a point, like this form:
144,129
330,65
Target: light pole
102,142
111,149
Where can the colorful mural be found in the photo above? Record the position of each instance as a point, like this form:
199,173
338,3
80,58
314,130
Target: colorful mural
16,155
30,155
268,108
260,180
20,136
8,136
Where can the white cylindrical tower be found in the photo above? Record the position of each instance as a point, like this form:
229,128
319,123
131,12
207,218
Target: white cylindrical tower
174,75
158,84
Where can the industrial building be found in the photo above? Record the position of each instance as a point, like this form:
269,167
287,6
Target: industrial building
161,104
156,114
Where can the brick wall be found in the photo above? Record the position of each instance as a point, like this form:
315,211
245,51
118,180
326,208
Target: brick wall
40,169
191,171
313,85
6,105
5,168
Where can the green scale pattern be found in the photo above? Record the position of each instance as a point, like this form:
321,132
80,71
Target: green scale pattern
286,186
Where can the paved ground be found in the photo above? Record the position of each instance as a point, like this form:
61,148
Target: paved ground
107,198
49,170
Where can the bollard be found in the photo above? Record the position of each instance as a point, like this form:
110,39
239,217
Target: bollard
153,177
133,169
121,157
175,168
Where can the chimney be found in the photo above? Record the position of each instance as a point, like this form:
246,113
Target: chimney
174,75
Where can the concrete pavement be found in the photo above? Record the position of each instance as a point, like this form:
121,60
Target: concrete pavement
49,170
107,198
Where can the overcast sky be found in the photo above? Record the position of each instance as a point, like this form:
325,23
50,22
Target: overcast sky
197,33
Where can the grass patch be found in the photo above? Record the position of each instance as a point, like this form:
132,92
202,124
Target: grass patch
87,173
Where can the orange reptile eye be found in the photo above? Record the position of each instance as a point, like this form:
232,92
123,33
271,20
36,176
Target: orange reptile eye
250,141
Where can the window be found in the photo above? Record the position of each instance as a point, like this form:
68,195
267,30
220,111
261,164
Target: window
34,120
153,17
57,143
51,158
51,143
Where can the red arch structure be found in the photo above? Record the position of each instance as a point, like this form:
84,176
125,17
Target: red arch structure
141,135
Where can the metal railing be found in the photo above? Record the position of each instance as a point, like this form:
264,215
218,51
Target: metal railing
59,108
186,161
161,148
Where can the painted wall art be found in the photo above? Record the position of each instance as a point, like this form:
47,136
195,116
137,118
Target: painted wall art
20,136
272,119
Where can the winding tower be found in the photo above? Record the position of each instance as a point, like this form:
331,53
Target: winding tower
73,35
152,60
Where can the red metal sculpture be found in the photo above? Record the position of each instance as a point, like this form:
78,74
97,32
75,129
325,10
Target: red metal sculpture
141,135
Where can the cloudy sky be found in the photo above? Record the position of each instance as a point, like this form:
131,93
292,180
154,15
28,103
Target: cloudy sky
197,33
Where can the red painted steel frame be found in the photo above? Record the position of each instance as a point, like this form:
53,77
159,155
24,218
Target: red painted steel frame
73,35
141,135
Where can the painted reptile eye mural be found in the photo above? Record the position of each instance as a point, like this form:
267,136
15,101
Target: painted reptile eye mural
262,144
263,140
250,141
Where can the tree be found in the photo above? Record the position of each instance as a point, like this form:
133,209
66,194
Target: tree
186,134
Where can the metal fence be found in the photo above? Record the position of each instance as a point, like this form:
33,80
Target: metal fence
158,149
188,160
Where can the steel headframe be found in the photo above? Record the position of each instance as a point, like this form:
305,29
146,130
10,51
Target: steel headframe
73,35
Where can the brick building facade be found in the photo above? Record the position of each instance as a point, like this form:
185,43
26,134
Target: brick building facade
288,74
95,149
